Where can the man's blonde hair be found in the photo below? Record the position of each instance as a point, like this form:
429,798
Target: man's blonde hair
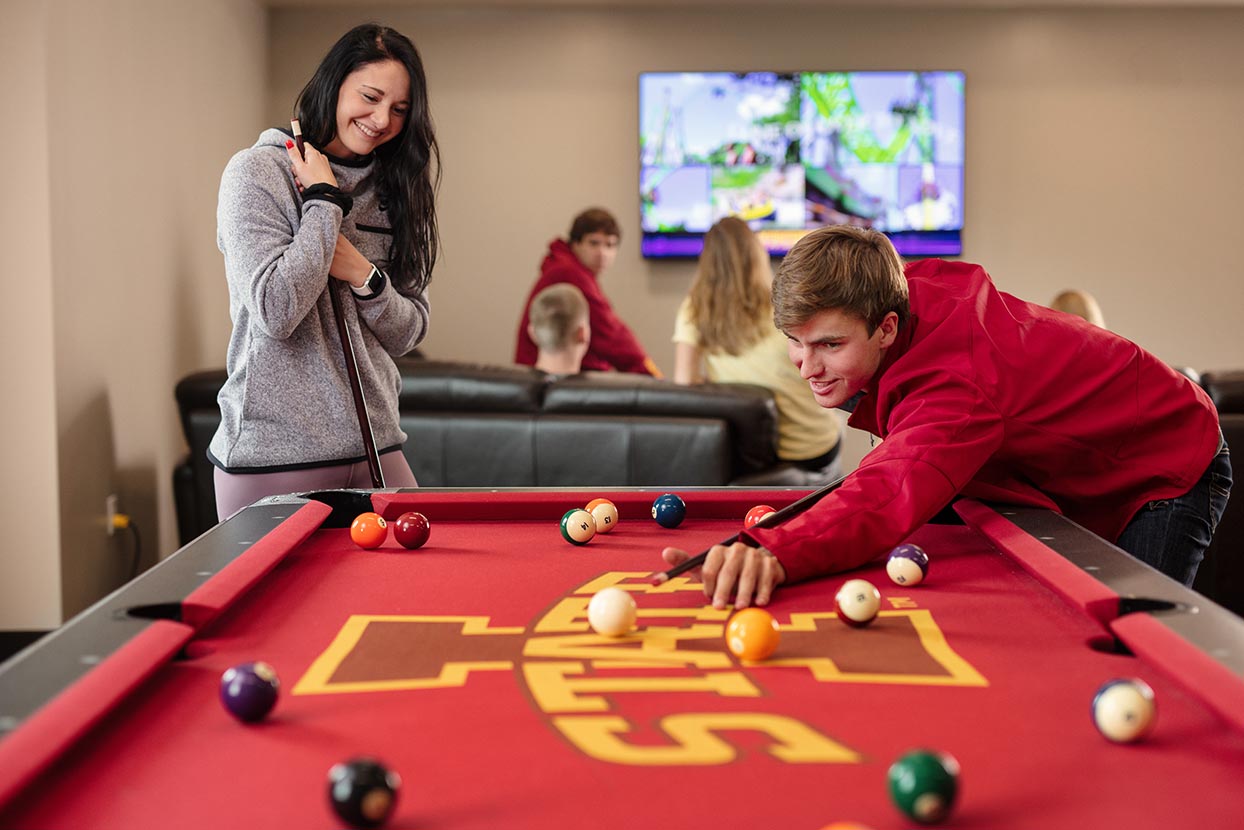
555,314
841,268
1081,304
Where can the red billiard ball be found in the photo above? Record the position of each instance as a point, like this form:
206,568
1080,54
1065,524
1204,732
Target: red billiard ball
411,530
369,530
857,602
756,514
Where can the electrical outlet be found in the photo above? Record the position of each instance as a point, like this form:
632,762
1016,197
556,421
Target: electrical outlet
110,513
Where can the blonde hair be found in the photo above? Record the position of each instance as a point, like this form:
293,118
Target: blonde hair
844,268
1081,304
555,313
730,293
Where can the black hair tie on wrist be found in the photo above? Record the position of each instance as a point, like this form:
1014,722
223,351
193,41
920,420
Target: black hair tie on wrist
327,193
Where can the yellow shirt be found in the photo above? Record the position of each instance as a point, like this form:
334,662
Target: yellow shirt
805,429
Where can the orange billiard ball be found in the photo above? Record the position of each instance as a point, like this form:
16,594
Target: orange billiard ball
605,513
752,634
369,530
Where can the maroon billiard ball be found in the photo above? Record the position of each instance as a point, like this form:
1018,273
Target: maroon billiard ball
411,530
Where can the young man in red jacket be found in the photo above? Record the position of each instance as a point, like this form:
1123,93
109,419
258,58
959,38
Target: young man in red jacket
975,393
579,261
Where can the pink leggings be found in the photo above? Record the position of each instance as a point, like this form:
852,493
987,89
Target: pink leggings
236,490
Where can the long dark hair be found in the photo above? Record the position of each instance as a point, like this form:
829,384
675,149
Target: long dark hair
409,171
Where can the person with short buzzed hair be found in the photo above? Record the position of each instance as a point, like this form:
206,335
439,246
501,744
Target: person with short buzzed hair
560,328
579,260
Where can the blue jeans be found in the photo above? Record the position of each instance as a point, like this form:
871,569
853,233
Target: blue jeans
1172,534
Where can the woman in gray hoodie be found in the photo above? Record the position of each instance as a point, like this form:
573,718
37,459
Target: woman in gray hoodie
352,213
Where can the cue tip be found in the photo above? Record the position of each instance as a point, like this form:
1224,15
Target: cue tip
660,579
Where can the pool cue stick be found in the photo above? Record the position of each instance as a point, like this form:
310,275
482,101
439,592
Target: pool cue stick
773,519
352,369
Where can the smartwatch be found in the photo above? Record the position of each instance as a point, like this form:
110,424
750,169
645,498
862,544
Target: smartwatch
373,286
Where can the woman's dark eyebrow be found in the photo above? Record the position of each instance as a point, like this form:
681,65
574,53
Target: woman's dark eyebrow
379,90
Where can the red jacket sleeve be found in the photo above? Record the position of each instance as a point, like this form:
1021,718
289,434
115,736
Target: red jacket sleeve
613,342
940,434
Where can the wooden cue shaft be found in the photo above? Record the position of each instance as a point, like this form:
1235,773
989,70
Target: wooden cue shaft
352,368
356,387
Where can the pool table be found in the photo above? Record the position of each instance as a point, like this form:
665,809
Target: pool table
468,667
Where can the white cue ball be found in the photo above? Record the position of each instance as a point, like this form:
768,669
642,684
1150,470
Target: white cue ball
857,602
1124,710
612,612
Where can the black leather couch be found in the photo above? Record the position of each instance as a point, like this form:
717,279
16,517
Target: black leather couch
473,425
1221,576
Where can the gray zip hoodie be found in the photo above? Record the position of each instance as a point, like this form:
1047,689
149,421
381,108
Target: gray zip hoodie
287,401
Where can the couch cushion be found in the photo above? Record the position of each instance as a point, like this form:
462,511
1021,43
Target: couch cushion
573,451
1226,389
429,385
749,410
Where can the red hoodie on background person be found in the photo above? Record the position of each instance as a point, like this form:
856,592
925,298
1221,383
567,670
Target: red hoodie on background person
579,261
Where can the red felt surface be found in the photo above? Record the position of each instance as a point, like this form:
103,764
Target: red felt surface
485,756
204,603
64,720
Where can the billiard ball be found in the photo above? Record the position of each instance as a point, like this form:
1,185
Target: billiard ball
669,510
756,514
604,512
1124,710
752,634
249,691
411,530
369,530
908,565
612,612
924,784
578,526
857,602
363,792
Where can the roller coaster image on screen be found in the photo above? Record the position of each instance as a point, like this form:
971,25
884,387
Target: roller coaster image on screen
791,152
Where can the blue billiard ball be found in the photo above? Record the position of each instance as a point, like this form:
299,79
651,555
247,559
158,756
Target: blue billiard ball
249,691
669,510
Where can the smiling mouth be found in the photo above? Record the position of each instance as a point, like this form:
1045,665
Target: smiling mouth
367,131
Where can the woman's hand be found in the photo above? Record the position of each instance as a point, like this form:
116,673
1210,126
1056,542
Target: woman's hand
750,574
314,169
348,264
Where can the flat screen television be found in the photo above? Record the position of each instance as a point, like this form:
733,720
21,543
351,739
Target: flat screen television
789,152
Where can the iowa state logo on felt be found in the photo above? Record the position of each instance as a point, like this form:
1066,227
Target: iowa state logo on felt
669,693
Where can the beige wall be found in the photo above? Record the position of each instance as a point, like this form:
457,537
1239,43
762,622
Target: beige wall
1103,148
1103,153
29,504
134,108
